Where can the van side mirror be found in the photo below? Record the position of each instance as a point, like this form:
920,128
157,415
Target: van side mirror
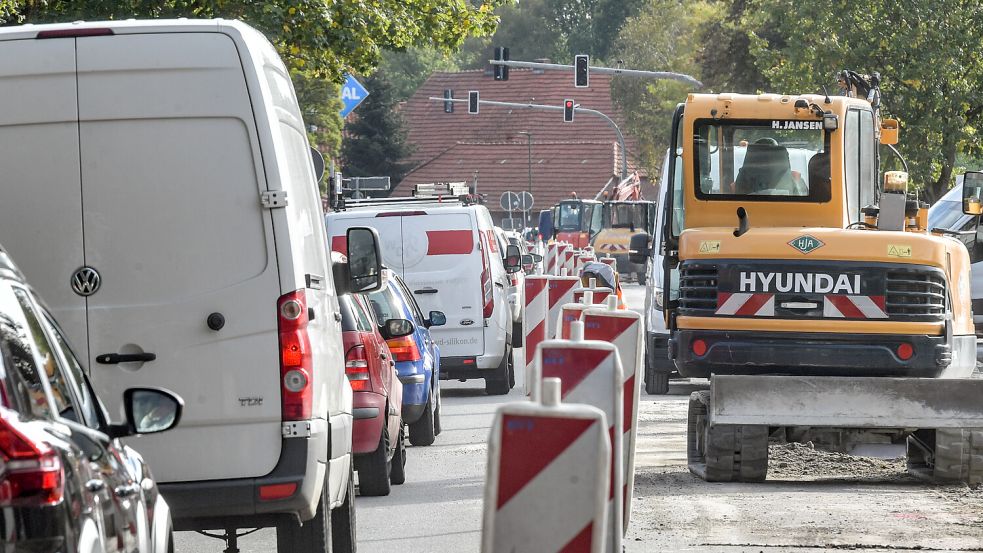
639,249
972,192
396,328
513,259
437,318
318,160
148,411
364,260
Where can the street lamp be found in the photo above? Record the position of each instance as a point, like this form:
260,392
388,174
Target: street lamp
529,186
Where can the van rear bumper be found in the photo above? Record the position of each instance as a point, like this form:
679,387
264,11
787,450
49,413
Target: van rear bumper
218,504
807,354
453,368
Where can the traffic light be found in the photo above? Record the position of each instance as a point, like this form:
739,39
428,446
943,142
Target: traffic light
581,74
448,96
473,102
501,71
568,111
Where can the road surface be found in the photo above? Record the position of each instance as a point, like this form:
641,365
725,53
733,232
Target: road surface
811,501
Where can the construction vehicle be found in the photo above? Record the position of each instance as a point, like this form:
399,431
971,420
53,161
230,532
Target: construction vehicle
620,220
818,303
576,221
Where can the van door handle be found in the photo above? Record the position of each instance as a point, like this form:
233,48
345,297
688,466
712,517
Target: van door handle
114,358
425,291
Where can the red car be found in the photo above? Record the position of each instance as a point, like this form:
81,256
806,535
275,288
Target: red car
380,454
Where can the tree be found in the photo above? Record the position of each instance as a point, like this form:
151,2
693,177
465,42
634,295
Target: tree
376,144
327,37
665,36
929,54
591,26
406,70
320,100
726,63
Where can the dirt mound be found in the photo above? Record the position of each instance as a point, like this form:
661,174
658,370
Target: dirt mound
804,461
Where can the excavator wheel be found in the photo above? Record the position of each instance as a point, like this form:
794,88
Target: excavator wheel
724,452
947,454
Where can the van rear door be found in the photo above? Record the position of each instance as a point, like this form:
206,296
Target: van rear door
41,208
171,181
442,267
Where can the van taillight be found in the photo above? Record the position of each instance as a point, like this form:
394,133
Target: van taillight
76,33
357,369
296,366
404,349
487,293
30,471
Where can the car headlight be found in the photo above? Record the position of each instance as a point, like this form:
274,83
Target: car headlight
658,297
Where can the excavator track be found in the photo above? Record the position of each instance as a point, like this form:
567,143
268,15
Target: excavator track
947,454
724,452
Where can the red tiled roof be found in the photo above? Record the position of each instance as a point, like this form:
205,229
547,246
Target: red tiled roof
558,168
579,156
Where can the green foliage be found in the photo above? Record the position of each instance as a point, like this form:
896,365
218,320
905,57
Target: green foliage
725,60
665,36
376,144
590,26
327,37
406,70
320,98
929,54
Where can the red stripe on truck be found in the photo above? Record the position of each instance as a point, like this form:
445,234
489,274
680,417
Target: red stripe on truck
449,242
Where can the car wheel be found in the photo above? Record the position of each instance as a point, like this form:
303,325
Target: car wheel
397,474
517,335
499,385
311,536
373,469
422,431
343,520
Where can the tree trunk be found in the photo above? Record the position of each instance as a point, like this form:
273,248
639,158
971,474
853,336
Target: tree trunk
937,189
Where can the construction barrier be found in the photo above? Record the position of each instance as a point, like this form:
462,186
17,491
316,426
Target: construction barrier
549,258
570,260
609,261
600,293
570,312
547,479
561,256
583,259
623,329
560,293
590,372
534,321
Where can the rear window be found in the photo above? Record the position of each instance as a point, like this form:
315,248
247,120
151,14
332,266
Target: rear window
386,305
347,318
22,388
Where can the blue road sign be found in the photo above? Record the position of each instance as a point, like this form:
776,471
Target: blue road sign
352,94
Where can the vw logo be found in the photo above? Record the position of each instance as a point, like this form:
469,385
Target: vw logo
86,281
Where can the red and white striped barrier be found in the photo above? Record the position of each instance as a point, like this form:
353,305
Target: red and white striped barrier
573,311
590,372
624,329
549,258
569,261
547,479
583,259
561,256
600,293
609,261
534,321
560,293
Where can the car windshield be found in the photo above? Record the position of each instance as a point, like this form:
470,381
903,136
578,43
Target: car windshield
625,215
569,216
772,160
945,214
385,304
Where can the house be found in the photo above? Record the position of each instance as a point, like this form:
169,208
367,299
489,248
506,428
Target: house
556,158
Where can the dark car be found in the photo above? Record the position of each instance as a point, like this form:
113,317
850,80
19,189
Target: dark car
67,484
417,358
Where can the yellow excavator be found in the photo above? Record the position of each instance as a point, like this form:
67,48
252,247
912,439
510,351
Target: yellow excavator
807,287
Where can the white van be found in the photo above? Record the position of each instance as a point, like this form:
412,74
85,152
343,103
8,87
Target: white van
658,366
158,190
450,258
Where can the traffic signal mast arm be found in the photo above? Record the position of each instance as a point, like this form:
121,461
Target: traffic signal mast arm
637,73
577,109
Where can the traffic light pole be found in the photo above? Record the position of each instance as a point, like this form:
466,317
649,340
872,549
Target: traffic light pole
577,109
636,73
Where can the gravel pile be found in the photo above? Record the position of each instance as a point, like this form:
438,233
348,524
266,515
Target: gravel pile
804,461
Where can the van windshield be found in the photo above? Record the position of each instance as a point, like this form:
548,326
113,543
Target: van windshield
762,160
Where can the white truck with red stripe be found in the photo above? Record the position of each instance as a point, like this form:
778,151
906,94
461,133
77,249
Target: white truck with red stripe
448,255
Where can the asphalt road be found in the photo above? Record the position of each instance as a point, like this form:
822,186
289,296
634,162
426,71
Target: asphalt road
810,502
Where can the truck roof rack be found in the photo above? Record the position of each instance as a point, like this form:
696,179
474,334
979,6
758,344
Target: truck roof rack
440,193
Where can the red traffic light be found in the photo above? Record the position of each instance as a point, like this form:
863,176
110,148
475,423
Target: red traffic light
568,109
